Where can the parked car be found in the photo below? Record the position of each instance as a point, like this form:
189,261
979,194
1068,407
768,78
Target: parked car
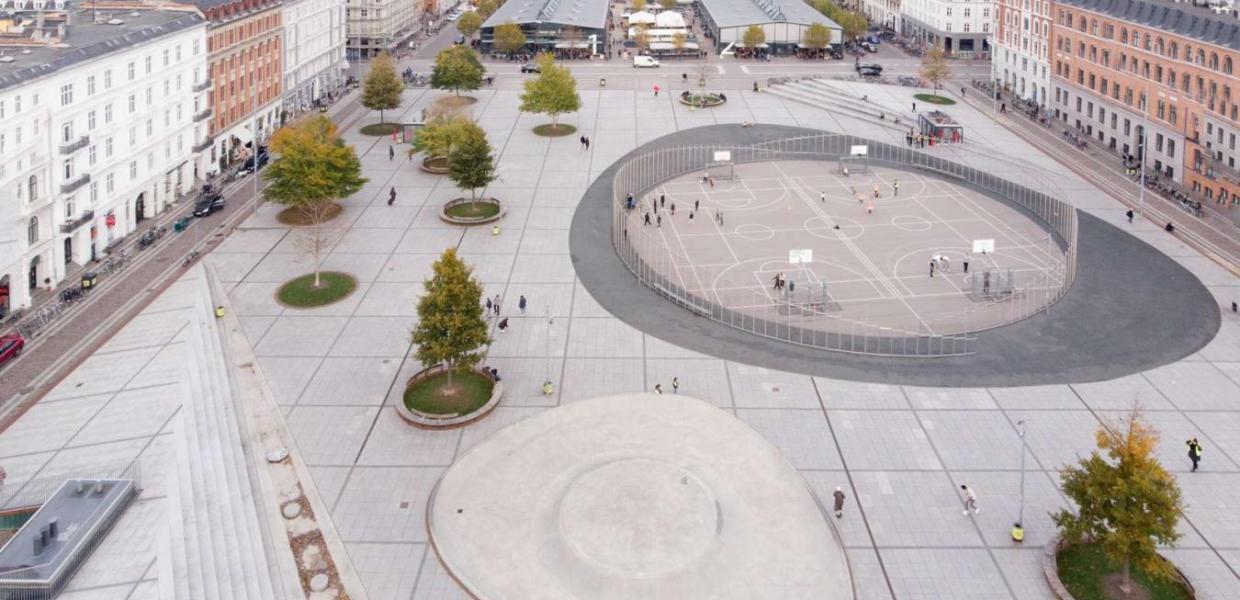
642,60
867,72
530,68
869,67
262,160
869,46
209,204
11,346
460,40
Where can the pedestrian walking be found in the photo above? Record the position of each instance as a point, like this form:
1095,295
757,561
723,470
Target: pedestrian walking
876,190
521,304
914,107
719,217
656,90
1129,214
391,153
658,221
690,215
503,325
587,143
970,500
675,385
392,197
581,141
658,389
823,199
498,301
647,217
895,186
839,501
869,208
695,204
489,308
662,200
966,265
775,282
1194,452
673,209
946,264
931,268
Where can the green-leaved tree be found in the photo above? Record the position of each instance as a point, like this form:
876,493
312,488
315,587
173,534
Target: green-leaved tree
450,329
553,92
382,88
441,135
1128,503
934,67
313,168
753,37
457,68
470,164
667,4
508,37
816,36
469,23
486,8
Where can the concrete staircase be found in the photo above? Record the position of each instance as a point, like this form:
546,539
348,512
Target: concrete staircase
218,546
821,94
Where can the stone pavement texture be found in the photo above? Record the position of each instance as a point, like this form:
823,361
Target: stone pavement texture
899,451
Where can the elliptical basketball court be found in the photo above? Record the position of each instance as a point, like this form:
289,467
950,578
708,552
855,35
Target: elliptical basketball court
852,251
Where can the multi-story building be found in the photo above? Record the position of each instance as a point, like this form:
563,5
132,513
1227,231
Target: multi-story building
98,121
314,56
379,25
1154,80
882,13
1020,61
245,57
960,27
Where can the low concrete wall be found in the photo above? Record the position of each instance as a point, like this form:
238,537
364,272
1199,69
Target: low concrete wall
432,421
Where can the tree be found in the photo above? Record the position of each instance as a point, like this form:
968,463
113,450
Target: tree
678,40
854,24
934,67
441,135
639,5
572,36
753,37
641,37
509,37
553,92
383,87
457,68
450,327
1128,503
486,8
817,36
470,164
313,168
469,23
667,4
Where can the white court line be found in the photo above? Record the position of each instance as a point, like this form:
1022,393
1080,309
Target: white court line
1013,234
1050,258
688,257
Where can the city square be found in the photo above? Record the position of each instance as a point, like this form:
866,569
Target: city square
672,423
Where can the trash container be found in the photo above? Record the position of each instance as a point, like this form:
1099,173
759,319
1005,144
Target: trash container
89,280
602,82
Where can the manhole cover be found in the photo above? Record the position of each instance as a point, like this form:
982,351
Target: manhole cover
291,510
319,582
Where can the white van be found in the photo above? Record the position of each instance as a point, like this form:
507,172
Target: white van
642,60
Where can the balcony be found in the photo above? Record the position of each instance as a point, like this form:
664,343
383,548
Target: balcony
204,145
72,147
72,186
84,218
202,87
206,114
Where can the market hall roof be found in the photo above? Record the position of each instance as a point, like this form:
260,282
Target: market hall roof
586,14
743,13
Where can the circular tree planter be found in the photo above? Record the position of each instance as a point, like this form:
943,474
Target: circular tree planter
298,218
421,407
378,129
1050,569
456,102
469,211
437,165
559,130
334,286
702,100
935,99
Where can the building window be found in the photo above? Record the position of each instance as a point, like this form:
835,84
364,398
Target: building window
133,104
32,230
148,65
109,183
90,85
94,192
107,147
92,155
66,94
133,71
90,121
67,168
69,209
1171,148
133,169
67,132
33,187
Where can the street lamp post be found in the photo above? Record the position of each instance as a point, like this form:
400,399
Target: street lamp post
1018,531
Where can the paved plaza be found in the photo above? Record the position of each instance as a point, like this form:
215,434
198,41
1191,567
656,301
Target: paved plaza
900,452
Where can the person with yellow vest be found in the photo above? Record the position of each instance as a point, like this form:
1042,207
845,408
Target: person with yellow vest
1194,452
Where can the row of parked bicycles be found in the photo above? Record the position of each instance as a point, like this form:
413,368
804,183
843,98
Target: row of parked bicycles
1155,184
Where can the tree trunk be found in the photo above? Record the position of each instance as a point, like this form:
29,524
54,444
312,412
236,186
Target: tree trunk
381,116
451,368
1126,583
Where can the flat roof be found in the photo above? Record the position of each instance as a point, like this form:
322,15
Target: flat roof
1196,22
743,13
82,509
86,40
585,14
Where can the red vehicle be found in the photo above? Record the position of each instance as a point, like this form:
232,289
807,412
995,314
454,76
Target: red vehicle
11,345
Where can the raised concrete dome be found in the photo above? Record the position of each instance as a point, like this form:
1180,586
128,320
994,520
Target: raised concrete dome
634,496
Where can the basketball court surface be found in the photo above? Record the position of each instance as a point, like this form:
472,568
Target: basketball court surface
854,253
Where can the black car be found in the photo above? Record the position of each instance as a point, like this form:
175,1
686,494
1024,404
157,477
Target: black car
209,204
877,68
868,72
262,159
530,68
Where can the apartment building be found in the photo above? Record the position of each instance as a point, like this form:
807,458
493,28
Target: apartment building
245,41
959,27
99,115
882,13
1153,79
314,51
1021,59
379,25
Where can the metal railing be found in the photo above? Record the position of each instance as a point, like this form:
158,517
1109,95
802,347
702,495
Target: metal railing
884,326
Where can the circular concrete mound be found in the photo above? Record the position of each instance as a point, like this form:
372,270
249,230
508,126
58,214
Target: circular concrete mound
634,496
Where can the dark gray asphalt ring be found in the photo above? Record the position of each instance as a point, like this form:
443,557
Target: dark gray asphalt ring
1131,309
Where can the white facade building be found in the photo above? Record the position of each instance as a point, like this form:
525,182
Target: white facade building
1021,60
97,131
883,13
314,50
378,25
961,27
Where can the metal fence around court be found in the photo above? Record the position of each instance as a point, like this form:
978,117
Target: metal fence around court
1029,190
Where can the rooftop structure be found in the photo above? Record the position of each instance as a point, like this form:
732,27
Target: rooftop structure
38,43
61,535
1202,23
743,13
585,14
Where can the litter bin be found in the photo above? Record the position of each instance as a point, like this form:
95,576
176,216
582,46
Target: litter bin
180,224
602,82
89,280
